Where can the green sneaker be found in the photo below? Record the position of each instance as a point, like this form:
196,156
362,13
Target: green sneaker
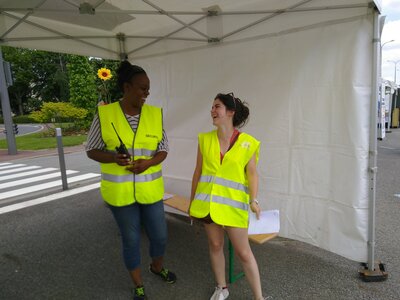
165,274
138,293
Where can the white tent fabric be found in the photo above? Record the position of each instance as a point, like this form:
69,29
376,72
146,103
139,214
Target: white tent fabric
305,68
313,122
95,27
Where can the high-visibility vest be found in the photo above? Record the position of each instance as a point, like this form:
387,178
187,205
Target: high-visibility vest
120,187
222,190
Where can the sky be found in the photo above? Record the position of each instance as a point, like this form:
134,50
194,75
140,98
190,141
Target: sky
391,31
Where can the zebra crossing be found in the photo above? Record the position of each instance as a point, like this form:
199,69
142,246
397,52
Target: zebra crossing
18,179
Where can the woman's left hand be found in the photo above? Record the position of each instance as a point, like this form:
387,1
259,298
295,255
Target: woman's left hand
255,208
138,166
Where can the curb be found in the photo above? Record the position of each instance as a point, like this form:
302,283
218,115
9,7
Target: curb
24,154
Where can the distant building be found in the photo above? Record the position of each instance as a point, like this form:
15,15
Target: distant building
391,97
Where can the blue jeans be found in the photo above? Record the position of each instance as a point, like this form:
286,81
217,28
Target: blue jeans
130,219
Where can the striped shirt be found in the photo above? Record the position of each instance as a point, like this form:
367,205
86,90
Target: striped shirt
95,140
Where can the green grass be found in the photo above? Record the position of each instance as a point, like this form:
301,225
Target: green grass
36,141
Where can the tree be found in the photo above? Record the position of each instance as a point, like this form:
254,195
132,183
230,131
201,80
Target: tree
82,84
20,91
51,78
39,76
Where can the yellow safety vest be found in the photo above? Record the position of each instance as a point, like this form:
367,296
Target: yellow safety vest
120,187
222,190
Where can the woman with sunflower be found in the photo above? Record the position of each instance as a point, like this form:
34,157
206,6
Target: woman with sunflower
128,140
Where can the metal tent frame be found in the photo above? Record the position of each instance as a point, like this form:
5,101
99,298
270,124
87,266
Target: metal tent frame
121,48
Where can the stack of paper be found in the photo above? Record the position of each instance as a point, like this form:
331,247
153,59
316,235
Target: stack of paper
268,222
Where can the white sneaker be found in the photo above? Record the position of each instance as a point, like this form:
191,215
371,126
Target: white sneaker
220,294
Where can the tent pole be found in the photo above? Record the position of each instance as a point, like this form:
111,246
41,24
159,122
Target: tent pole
122,48
373,271
373,143
5,105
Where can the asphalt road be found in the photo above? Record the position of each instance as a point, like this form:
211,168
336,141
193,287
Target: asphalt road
23,129
73,161
70,249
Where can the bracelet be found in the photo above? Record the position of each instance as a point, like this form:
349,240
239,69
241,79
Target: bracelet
254,200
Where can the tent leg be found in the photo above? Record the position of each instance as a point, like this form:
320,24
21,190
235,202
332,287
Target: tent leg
373,271
378,272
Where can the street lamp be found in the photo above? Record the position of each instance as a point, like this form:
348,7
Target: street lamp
381,54
395,68
386,43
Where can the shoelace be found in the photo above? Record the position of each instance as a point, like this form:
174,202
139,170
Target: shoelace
164,273
219,291
139,291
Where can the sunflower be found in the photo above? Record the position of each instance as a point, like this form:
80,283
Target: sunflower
104,74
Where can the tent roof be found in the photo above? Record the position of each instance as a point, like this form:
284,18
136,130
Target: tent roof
132,28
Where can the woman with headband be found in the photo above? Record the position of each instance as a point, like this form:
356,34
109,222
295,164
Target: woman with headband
224,188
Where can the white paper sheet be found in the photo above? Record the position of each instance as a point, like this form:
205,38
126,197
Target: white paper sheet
167,196
268,222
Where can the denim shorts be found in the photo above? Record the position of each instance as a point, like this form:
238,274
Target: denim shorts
130,220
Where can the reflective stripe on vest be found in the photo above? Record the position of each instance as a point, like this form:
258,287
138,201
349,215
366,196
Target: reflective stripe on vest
131,177
222,200
144,152
139,152
225,182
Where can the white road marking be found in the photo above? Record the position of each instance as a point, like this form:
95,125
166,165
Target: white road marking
49,198
34,179
43,186
18,170
24,174
12,166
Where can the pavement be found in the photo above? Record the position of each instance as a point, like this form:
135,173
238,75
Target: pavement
70,249
24,154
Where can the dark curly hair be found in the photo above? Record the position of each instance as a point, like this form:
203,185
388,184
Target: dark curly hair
240,108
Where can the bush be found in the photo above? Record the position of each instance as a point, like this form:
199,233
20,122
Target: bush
20,119
68,129
23,119
58,112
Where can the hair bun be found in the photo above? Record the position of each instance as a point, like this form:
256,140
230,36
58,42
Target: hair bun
123,68
126,71
238,106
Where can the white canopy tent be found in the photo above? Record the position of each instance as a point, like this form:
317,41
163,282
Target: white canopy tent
307,68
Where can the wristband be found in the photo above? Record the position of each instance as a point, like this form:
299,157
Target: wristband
254,200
